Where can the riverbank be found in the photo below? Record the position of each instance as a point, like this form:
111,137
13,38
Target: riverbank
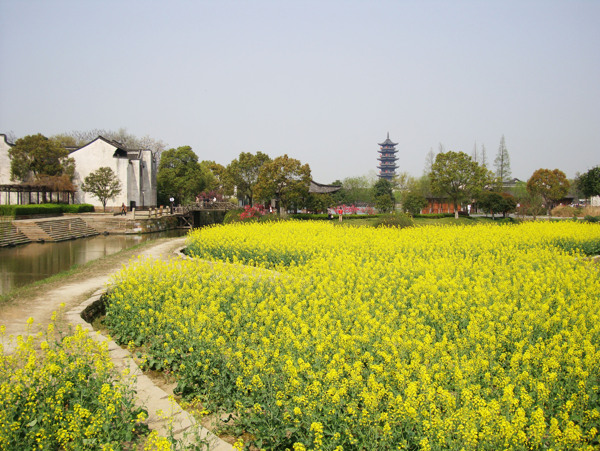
22,265
14,232
75,289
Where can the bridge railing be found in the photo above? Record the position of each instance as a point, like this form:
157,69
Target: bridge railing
211,205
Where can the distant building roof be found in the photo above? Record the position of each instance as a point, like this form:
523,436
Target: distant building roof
322,189
511,182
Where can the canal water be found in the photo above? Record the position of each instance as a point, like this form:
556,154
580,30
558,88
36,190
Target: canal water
28,263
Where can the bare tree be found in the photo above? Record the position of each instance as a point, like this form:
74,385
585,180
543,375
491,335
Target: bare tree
121,136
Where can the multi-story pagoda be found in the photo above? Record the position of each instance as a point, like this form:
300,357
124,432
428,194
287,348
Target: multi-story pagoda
387,159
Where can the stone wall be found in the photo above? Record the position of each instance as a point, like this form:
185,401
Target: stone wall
117,225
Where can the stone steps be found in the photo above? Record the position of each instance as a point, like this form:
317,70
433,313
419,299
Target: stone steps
32,231
11,236
66,229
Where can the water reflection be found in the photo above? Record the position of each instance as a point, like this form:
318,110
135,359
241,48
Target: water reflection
30,262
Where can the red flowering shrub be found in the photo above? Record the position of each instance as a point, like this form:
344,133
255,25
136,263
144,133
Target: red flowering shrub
250,213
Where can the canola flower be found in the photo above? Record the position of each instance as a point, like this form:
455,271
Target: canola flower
60,391
323,337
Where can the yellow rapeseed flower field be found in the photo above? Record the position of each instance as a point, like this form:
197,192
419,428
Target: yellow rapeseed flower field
59,391
323,337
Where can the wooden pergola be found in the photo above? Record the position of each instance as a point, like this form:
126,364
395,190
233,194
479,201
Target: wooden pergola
35,194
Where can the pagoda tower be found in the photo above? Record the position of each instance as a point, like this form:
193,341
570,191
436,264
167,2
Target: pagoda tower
387,159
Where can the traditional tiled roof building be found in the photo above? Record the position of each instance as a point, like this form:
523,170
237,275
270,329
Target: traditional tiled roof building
135,168
319,188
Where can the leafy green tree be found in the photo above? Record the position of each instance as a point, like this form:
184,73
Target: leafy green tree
243,173
494,202
383,193
319,203
551,185
180,175
354,190
457,176
36,156
285,179
589,182
103,184
490,202
413,203
502,163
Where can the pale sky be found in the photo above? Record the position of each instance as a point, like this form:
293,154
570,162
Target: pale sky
323,81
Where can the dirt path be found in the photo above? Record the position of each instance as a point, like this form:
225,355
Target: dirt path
74,289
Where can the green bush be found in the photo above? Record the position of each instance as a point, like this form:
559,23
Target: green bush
399,220
272,217
40,209
7,210
233,216
43,209
590,218
78,208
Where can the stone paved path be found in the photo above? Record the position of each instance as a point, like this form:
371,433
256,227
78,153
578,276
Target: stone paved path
77,295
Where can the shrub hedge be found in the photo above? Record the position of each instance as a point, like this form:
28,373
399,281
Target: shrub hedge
325,217
441,215
43,209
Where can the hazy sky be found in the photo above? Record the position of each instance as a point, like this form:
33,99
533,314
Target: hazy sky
323,81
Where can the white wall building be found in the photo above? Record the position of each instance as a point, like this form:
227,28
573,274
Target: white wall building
5,171
135,169
4,160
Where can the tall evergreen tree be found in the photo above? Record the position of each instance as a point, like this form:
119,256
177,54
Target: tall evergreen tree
483,162
475,154
429,160
502,162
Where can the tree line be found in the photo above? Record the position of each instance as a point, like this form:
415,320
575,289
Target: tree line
460,178
251,178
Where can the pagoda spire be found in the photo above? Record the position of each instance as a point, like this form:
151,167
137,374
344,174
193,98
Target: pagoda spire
387,159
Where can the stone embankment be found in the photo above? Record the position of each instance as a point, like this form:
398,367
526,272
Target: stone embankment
70,227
